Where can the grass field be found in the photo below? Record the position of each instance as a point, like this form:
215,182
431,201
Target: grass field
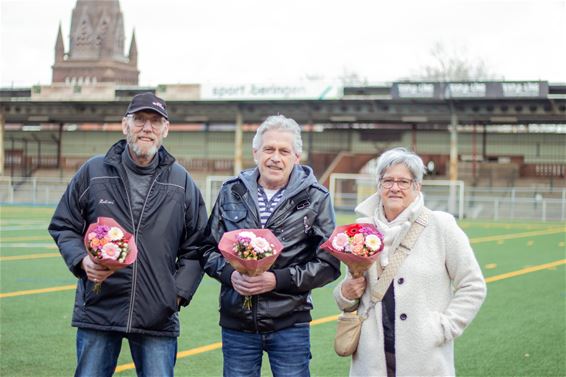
520,330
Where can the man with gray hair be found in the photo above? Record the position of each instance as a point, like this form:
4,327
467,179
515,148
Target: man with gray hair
281,195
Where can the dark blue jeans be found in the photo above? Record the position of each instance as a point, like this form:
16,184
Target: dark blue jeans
98,351
288,351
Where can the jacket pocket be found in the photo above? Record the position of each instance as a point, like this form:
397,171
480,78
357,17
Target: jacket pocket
296,225
85,291
233,213
81,295
436,328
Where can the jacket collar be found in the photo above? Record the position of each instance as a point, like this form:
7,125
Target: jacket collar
370,205
367,207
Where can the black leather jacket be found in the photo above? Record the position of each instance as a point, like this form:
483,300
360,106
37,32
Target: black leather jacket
170,235
301,221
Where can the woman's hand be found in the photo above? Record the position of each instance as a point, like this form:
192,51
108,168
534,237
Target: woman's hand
353,288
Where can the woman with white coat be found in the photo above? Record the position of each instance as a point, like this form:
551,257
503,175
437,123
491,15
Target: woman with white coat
435,293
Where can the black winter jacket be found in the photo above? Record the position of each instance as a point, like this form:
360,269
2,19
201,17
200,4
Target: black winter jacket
301,221
140,298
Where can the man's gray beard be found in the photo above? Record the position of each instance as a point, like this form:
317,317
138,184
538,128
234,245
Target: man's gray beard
137,150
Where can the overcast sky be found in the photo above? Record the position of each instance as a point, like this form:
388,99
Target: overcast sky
266,41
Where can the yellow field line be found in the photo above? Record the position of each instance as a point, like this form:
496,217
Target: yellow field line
29,256
473,240
492,225
217,345
191,352
19,239
525,271
319,321
502,237
37,291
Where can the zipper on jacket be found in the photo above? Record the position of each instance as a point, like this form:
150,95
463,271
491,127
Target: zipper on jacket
278,213
135,268
284,206
255,298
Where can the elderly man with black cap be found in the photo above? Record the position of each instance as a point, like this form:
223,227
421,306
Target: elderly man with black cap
139,185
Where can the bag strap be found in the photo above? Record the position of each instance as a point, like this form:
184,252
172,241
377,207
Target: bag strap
402,251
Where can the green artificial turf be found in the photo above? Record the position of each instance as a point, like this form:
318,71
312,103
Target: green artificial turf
519,331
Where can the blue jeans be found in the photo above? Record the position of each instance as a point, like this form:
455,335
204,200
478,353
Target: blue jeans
98,351
288,351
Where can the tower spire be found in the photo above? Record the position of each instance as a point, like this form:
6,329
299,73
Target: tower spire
59,46
96,46
133,54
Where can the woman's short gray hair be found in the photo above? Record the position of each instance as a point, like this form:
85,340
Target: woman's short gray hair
397,156
279,123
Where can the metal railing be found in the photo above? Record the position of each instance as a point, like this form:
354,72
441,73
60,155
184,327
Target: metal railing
519,203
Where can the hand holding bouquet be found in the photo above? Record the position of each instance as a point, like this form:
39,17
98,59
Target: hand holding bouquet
251,252
356,245
109,245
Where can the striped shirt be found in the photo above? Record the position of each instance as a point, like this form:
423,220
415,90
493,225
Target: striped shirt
266,206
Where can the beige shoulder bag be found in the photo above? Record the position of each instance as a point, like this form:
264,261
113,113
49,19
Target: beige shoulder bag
350,323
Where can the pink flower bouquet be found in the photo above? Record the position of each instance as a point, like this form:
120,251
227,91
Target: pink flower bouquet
356,245
109,245
250,251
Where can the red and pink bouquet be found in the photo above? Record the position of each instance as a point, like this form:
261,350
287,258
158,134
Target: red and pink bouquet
109,245
251,252
356,245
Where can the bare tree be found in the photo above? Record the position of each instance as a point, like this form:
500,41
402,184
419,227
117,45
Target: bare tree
351,78
453,65
346,78
313,77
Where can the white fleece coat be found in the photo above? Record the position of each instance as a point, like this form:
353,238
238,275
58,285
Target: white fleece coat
439,288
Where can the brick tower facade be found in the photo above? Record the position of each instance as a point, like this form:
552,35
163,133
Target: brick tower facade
96,49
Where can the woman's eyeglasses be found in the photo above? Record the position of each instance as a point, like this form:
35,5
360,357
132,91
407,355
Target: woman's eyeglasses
403,184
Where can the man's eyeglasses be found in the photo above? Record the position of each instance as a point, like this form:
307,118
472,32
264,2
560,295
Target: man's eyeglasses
402,183
140,121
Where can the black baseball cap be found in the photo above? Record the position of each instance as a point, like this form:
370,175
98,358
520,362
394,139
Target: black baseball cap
147,101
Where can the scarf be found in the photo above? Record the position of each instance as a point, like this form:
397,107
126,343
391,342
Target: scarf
394,231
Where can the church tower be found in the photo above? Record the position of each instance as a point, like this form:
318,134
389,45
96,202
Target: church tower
96,47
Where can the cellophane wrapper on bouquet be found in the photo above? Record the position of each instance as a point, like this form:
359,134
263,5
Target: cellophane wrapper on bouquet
251,252
109,245
356,245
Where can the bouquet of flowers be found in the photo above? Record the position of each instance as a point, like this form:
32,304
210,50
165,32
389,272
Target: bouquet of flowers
109,245
356,245
251,252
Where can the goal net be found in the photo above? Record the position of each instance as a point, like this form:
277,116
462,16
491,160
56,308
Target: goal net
347,190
